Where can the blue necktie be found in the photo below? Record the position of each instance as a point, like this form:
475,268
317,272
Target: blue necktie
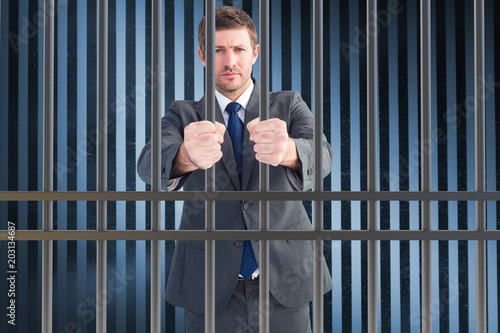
235,129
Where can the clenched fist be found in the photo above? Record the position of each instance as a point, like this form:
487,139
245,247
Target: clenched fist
272,143
201,147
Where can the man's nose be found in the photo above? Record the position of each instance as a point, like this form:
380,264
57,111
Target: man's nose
230,59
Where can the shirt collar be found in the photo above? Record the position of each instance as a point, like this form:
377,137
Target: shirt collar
242,100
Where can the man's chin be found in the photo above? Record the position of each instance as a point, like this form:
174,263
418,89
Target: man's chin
230,87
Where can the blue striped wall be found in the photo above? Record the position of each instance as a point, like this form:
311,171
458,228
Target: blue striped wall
451,149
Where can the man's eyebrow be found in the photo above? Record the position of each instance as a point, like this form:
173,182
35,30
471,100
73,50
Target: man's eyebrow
241,46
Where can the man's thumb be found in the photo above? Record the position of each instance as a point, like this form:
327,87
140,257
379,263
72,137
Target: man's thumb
251,126
220,129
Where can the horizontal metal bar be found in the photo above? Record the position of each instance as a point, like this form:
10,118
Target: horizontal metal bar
256,196
114,235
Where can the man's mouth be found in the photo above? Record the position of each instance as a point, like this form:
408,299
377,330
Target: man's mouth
230,74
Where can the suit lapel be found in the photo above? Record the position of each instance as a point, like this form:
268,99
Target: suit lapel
251,112
227,159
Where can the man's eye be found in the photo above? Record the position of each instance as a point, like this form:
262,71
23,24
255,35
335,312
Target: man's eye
240,50
218,51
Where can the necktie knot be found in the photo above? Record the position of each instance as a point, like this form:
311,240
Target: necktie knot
233,107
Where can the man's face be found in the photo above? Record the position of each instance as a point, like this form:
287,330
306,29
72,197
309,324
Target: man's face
234,58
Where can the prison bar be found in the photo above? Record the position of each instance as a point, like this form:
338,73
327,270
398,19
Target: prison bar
480,163
210,173
425,116
48,163
157,106
318,304
239,195
330,235
373,235
372,160
102,162
264,301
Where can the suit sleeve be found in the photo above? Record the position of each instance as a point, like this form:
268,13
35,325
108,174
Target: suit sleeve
172,136
301,130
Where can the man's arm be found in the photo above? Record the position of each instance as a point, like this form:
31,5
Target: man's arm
201,147
292,147
291,159
171,140
302,131
273,144
182,163
183,149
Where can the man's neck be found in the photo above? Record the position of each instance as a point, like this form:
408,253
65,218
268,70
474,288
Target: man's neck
243,98
234,95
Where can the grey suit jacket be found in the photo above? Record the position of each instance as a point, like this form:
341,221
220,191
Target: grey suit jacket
291,262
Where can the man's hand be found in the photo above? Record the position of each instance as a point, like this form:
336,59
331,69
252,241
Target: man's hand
272,143
201,147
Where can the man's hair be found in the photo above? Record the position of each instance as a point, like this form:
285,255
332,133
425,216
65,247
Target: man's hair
226,18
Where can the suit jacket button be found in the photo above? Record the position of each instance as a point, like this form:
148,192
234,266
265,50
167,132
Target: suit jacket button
245,206
238,243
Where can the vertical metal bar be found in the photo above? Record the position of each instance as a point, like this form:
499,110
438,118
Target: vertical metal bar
210,174
264,302
48,162
480,156
318,316
425,156
372,136
156,109
102,162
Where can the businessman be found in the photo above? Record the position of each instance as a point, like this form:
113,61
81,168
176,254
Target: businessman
234,145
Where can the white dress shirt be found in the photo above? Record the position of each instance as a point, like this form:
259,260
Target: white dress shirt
242,100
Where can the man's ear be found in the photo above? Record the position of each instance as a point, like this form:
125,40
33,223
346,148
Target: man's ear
200,54
255,54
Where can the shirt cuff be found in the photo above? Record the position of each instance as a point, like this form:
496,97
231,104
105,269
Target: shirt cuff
172,184
294,179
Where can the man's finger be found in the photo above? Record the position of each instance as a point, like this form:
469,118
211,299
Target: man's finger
201,127
220,129
268,137
251,125
206,139
270,125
